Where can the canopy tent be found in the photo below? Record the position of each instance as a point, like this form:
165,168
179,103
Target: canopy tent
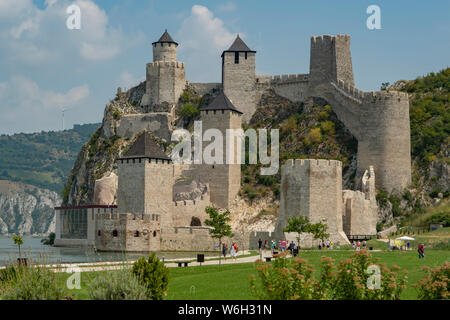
405,238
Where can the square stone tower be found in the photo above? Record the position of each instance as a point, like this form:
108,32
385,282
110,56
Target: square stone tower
145,177
312,188
238,77
166,78
224,179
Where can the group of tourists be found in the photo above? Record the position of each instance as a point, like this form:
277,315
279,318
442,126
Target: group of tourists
280,245
326,244
233,250
357,245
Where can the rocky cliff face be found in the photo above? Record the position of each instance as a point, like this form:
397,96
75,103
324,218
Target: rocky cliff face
26,209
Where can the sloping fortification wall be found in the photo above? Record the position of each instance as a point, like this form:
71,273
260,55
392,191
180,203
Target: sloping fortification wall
291,86
378,120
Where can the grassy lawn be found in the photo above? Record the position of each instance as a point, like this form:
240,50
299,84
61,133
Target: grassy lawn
230,282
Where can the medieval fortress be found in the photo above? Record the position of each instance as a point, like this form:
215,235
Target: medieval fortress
161,205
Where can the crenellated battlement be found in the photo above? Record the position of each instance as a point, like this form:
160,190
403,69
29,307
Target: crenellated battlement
129,216
372,96
312,162
158,64
326,39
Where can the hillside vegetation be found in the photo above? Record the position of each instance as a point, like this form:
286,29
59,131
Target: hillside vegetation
42,159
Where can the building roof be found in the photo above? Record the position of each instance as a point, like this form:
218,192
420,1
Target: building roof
165,38
238,46
145,146
221,102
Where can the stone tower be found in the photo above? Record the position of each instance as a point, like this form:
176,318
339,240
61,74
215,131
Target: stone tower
145,179
224,179
238,77
166,78
331,60
312,188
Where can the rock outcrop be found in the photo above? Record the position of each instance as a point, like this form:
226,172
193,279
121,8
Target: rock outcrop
26,209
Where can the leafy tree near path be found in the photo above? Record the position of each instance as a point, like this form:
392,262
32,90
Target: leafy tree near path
219,223
301,224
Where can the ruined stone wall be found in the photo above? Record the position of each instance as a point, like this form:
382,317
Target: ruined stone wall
312,188
187,239
183,211
359,214
239,82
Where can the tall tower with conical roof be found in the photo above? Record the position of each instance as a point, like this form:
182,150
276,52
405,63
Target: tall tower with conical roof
238,77
224,178
166,77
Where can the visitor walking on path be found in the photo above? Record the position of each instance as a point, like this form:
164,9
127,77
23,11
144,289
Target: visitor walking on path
421,251
292,247
272,245
259,244
233,251
224,250
358,246
283,245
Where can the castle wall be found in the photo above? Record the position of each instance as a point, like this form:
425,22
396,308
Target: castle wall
239,82
128,232
204,88
291,86
187,239
183,211
158,123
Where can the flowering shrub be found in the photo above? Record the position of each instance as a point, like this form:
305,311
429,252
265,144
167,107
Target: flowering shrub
356,278
436,284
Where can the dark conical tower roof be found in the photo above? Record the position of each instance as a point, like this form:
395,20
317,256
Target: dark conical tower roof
165,38
145,146
221,102
238,46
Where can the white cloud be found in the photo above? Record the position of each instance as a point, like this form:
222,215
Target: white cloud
226,7
31,108
45,30
202,39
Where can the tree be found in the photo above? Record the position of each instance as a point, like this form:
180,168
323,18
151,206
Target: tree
154,275
219,223
299,225
18,241
319,231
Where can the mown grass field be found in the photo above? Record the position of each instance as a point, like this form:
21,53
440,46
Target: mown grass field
230,282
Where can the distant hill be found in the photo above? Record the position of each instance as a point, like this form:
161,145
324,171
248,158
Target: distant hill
42,159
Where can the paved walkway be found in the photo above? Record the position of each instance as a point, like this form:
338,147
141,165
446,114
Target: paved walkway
104,266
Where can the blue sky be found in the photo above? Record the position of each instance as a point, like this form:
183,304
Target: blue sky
45,67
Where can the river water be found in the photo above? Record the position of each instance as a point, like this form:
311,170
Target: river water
39,253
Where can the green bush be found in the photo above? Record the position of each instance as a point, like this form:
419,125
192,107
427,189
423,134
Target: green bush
436,285
154,275
116,285
189,111
30,283
294,279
